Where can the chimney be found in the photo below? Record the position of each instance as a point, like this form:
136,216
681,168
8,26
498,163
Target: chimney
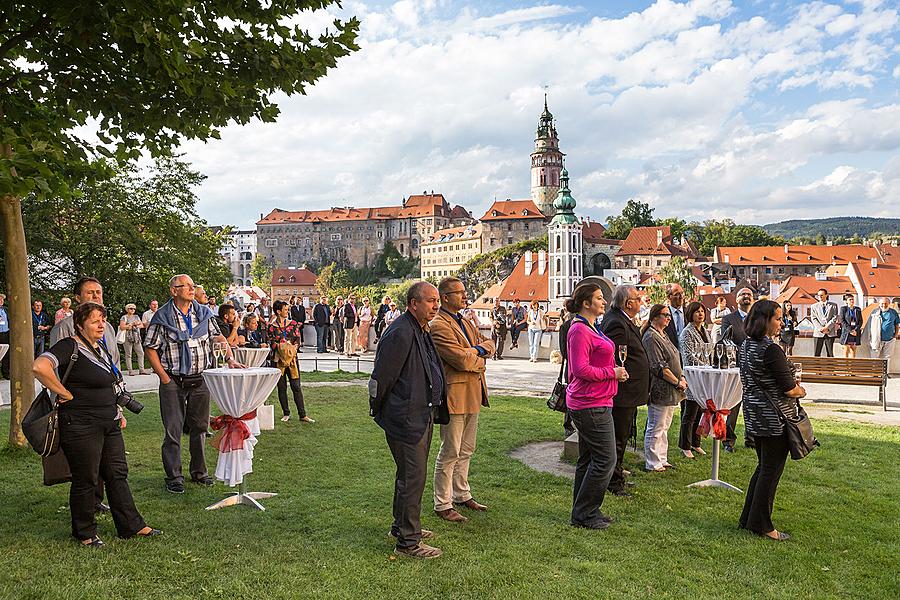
829,243
542,262
874,263
727,259
529,263
894,243
786,249
659,236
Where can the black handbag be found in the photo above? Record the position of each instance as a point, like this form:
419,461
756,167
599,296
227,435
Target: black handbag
557,399
41,422
801,439
56,469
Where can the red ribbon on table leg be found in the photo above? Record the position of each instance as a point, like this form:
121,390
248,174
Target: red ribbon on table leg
232,431
713,419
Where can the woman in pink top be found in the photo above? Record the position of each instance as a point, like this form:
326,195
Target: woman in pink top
593,381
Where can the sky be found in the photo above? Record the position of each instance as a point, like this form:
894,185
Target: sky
754,111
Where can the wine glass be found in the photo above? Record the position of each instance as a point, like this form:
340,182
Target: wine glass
732,352
218,352
798,372
623,353
720,350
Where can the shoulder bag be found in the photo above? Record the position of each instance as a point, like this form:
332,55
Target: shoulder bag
801,439
557,399
41,422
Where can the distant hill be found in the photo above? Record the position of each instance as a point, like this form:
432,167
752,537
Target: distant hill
833,227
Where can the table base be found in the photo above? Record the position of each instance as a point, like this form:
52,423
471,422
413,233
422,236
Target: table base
243,497
714,480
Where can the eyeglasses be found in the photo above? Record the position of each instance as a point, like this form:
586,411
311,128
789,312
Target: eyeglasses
666,315
455,292
189,286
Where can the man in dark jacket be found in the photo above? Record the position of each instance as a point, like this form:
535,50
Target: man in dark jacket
383,309
733,329
618,325
322,322
298,314
407,396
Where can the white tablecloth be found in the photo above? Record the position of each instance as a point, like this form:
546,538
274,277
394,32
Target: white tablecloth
237,392
252,357
722,386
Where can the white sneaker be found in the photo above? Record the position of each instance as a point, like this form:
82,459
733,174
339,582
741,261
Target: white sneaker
687,453
285,418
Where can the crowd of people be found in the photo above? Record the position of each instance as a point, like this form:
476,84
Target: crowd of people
616,360
429,368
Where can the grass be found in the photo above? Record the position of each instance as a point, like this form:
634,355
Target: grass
324,535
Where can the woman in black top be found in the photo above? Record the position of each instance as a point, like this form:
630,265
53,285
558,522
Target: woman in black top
90,433
767,379
788,333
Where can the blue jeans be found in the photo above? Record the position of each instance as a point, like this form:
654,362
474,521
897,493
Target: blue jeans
534,342
596,461
321,337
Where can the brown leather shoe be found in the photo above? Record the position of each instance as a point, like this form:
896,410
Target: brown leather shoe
451,515
472,505
426,534
420,550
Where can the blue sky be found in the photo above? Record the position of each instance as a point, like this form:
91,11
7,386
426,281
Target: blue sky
757,111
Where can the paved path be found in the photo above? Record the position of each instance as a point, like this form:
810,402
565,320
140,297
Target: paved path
517,376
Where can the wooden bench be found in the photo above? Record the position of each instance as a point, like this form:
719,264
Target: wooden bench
870,372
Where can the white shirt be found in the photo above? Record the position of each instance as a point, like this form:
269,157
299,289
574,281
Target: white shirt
148,314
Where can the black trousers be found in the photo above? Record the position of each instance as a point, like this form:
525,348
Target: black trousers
337,330
96,449
379,329
409,484
295,390
4,363
322,338
757,514
184,411
690,417
623,421
828,342
730,424
596,461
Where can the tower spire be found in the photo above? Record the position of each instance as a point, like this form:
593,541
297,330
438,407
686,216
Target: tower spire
546,162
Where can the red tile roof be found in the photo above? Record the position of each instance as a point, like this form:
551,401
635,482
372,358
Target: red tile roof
796,297
592,232
458,212
466,232
512,209
646,241
811,285
795,256
527,287
889,253
883,280
301,276
429,205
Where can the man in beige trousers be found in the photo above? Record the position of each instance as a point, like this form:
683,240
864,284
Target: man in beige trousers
463,350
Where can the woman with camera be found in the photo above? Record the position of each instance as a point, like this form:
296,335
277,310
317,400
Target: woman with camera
90,425
767,379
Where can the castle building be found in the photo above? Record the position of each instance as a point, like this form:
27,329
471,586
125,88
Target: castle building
566,246
546,164
353,236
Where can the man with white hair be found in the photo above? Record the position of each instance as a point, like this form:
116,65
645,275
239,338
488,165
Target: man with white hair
884,329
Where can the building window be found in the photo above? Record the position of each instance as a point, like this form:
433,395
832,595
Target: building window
271,243
335,237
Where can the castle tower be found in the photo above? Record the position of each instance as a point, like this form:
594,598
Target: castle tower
565,241
546,163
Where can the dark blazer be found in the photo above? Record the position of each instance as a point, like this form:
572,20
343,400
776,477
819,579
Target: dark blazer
733,329
400,387
622,330
382,310
350,317
298,313
847,314
322,314
671,333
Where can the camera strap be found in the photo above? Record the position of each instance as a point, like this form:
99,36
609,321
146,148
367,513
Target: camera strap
108,358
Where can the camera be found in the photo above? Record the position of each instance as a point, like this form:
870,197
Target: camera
127,401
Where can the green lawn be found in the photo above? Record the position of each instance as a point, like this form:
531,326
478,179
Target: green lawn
324,536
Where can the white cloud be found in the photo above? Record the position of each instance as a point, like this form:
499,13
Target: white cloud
679,104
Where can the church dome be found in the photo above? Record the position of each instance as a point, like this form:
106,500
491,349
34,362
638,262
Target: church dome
564,203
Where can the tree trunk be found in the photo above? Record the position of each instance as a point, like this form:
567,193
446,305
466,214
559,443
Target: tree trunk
21,340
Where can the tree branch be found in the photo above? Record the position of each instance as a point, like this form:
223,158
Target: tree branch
11,43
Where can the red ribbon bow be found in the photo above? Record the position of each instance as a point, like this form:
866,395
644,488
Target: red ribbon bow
714,420
233,431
